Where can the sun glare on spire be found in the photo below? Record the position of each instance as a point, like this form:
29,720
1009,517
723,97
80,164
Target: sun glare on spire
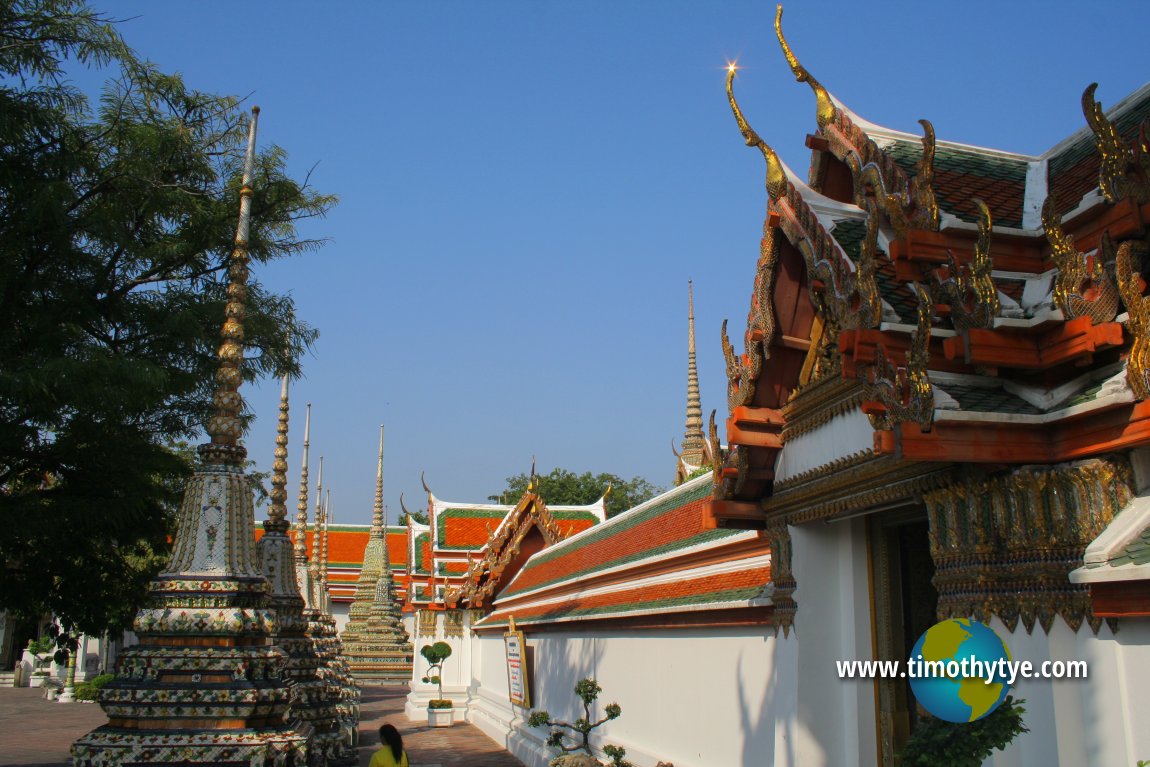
732,66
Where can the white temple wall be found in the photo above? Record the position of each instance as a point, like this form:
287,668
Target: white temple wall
456,675
1097,720
824,720
695,697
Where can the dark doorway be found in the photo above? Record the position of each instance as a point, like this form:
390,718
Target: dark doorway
905,604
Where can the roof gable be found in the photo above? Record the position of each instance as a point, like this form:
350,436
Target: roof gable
528,528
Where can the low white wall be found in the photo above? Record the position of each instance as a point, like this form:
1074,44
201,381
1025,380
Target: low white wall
1098,720
822,720
456,673
693,697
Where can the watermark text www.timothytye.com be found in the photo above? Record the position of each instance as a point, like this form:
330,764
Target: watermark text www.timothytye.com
990,672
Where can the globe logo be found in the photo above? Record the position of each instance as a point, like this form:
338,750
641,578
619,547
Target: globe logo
958,670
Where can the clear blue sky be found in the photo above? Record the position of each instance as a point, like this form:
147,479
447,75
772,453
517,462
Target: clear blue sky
527,187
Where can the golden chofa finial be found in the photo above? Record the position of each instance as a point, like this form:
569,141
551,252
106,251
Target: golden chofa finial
776,176
225,426
825,110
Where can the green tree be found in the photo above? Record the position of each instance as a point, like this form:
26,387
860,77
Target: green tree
563,487
116,220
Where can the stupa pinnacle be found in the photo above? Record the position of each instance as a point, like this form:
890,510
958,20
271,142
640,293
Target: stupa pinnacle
693,451
374,641
205,686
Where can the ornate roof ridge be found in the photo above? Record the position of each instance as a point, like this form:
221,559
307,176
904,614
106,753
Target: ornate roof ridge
1121,107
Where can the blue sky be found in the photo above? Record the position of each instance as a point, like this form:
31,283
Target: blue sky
526,188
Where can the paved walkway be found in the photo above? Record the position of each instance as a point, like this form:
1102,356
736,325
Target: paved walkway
37,733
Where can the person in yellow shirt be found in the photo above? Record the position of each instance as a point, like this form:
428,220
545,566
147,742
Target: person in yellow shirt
392,753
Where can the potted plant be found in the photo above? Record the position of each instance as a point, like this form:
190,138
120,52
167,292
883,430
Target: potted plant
41,651
579,733
440,711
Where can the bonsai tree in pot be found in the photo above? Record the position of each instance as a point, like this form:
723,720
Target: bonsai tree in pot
580,731
42,651
436,654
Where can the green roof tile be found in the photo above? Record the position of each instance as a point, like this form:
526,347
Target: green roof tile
979,400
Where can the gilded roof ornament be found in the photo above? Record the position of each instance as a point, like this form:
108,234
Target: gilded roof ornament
914,207
1131,285
905,393
969,290
848,299
825,110
1084,287
776,175
1125,169
742,373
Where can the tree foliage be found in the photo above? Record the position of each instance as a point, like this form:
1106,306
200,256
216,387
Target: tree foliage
116,220
563,487
964,744
435,655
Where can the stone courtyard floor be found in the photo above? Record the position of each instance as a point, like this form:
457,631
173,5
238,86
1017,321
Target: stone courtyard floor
37,733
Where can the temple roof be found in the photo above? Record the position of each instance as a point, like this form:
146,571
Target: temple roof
346,544
656,559
460,534
976,305
1122,551
1013,185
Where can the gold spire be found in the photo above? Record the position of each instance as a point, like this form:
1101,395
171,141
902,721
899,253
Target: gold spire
692,451
377,526
323,552
313,566
277,510
225,426
301,506
776,175
825,110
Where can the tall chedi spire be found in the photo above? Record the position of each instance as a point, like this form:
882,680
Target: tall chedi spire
302,575
693,452
316,600
374,640
204,685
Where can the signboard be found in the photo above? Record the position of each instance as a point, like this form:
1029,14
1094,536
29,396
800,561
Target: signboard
518,688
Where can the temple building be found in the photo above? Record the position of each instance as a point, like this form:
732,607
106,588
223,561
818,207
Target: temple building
939,410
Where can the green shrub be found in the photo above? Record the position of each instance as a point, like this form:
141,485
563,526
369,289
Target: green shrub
438,703
964,744
90,690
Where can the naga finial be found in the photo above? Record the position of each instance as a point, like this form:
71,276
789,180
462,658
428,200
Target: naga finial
825,111
423,482
225,426
1124,170
776,175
